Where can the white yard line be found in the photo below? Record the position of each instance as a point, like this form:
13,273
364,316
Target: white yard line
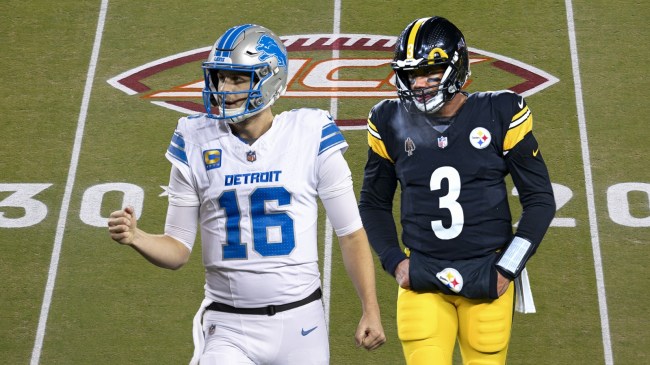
589,186
65,204
327,256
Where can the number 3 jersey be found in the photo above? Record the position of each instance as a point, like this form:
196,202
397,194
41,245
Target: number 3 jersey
454,204
257,203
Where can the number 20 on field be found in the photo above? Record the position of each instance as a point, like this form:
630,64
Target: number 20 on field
20,208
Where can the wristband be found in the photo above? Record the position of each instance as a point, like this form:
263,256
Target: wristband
514,258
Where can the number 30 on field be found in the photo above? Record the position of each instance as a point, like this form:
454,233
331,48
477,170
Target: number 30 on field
19,207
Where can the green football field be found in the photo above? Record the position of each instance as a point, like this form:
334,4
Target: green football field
91,91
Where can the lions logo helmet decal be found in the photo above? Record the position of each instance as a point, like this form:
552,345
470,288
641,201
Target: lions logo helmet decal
268,48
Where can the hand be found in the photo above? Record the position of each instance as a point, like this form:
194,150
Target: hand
402,274
122,226
502,284
370,333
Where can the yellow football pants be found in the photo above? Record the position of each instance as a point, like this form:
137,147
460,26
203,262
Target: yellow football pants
428,325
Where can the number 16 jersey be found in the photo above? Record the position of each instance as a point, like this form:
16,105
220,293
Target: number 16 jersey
257,203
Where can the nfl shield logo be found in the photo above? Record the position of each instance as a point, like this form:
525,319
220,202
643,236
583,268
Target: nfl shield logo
251,156
442,142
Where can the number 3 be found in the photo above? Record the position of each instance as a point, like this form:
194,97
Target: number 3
448,201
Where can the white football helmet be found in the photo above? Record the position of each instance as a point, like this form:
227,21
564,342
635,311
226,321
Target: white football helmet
251,49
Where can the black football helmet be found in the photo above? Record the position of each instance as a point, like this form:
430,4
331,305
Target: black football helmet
427,43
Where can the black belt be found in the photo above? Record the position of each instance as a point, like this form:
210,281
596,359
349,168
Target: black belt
268,310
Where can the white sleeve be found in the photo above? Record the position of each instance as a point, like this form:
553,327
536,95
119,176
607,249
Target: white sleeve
337,194
182,210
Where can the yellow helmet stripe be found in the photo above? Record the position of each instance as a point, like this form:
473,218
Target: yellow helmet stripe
410,46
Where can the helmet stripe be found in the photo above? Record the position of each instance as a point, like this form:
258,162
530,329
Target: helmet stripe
412,35
222,41
229,38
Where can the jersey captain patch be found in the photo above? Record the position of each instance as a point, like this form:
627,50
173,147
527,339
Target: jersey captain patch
212,159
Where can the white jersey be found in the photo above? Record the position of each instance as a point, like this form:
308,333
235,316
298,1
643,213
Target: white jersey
258,208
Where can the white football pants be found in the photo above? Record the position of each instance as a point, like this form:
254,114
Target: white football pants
296,336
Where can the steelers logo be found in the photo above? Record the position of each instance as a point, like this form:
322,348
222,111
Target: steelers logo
480,138
451,278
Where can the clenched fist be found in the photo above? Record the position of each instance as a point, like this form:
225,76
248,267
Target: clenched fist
122,225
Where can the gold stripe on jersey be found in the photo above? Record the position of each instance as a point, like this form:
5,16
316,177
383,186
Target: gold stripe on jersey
375,142
410,46
520,117
521,124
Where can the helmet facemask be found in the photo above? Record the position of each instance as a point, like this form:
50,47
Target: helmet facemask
215,97
427,99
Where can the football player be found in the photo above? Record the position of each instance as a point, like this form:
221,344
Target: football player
250,179
451,151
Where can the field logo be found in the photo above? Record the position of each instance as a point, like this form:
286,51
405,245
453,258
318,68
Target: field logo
362,70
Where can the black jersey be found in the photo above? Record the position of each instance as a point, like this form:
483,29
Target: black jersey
454,203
